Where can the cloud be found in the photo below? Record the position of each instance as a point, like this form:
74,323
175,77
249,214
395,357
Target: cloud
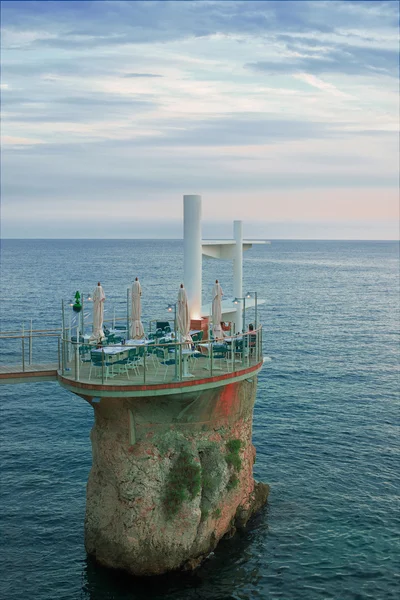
133,75
321,85
145,100
346,59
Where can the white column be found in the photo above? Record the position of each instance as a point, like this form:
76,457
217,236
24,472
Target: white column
192,252
238,272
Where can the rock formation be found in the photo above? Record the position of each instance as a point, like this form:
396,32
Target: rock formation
171,475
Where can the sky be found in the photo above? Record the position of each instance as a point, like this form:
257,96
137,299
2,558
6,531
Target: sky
282,114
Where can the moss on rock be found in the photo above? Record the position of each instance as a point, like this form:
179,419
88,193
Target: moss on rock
183,483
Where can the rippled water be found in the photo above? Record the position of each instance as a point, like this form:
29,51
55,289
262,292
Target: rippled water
325,425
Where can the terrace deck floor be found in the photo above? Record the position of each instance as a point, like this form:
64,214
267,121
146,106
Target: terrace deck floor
156,373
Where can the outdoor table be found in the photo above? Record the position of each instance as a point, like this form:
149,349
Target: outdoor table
185,359
141,342
111,351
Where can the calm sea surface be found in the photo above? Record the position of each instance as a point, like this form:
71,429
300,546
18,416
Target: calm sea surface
325,424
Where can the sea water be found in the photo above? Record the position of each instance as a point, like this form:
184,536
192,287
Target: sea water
325,423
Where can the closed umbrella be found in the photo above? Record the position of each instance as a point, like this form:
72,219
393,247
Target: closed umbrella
98,314
137,331
182,316
217,311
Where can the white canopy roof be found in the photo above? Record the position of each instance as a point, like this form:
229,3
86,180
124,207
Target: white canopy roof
225,249
229,308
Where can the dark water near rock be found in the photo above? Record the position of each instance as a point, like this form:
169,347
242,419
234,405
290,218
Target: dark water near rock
325,425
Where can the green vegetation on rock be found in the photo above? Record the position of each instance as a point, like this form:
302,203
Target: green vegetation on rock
232,483
233,458
204,514
217,513
184,483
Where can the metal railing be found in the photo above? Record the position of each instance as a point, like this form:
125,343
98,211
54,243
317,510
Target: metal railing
129,364
30,349
150,362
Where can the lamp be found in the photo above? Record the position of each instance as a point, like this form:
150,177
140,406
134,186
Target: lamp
248,295
77,306
237,301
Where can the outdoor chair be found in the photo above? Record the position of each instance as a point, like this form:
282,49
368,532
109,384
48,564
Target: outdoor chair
220,355
197,337
84,353
97,364
73,339
121,366
163,325
133,360
197,355
167,364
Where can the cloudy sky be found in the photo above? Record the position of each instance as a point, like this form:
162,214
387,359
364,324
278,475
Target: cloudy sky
283,114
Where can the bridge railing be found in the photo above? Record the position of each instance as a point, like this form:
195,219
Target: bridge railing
30,349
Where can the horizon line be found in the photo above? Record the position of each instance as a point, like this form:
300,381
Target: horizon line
152,239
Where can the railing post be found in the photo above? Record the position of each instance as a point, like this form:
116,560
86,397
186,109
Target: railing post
144,365
180,362
30,344
211,359
59,352
62,356
23,354
102,365
176,360
77,361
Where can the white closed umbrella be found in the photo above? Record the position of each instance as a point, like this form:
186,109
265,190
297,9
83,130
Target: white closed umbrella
217,311
98,314
182,316
137,331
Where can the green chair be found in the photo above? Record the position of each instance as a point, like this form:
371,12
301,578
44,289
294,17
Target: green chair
97,362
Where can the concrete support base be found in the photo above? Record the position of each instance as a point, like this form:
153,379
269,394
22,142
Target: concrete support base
171,476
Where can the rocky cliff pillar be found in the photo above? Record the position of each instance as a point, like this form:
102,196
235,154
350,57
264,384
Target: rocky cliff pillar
171,475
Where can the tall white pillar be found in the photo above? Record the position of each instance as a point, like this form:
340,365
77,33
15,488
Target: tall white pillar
238,272
192,252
